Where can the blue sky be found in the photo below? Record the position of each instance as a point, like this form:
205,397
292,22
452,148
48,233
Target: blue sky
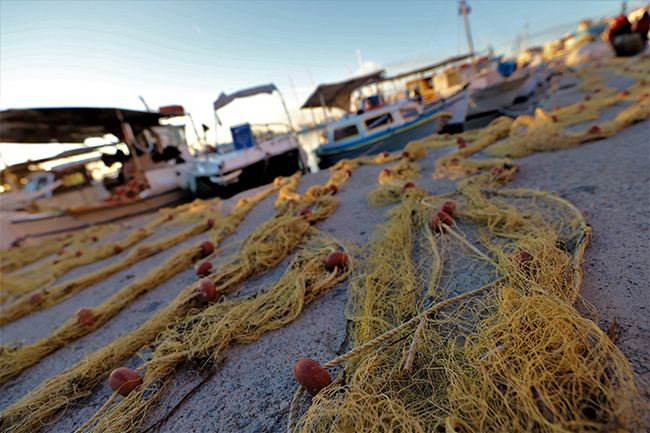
107,53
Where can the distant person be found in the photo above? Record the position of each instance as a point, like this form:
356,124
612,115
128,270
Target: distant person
641,27
623,40
414,95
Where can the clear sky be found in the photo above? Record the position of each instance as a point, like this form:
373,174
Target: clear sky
107,53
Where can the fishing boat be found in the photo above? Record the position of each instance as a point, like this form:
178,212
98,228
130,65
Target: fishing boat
377,126
142,167
492,88
257,155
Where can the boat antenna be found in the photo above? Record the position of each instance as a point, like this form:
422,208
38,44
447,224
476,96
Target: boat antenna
145,104
285,109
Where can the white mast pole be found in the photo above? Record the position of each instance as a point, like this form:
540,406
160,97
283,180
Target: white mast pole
468,32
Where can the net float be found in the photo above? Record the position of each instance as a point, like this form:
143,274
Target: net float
311,375
85,317
61,252
595,129
95,238
406,154
437,219
555,119
337,259
385,172
55,262
78,253
523,259
385,154
208,292
407,185
586,97
170,216
349,172
210,223
496,171
207,248
36,298
333,189
448,207
305,212
124,380
203,269
117,249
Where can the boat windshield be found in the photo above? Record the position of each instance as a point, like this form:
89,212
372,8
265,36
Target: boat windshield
376,122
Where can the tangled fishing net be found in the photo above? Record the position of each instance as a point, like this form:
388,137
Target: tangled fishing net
514,356
15,358
263,249
461,325
205,335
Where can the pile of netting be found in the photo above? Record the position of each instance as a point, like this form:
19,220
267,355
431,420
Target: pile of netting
544,131
469,325
263,249
15,358
85,252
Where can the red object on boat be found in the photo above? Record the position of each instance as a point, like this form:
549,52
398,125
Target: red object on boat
172,110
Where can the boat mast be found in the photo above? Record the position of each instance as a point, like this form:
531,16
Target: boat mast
464,11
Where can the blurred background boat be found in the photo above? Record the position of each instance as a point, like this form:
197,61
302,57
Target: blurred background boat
256,155
373,125
142,166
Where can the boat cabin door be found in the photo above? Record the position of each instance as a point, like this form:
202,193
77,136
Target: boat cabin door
39,181
242,136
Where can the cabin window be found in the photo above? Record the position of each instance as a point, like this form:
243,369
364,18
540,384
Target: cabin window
42,183
345,132
73,179
378,121
408,113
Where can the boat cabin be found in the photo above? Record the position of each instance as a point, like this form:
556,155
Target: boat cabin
374,121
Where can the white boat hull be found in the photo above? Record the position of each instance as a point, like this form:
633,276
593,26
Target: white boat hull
496,96
18,225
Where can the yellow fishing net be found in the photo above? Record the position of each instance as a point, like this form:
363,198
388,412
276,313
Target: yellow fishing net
205,335
263,249
17,257
465,326
33,280
14,359
514,356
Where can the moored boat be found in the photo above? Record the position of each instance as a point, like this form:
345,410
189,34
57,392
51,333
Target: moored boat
258,153
378,126
60,193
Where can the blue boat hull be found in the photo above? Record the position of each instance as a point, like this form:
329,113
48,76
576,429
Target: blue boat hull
394,140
